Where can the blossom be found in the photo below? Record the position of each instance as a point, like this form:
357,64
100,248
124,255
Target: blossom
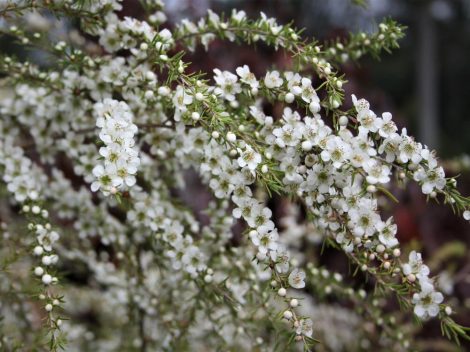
238,16
221,186
431,179
249,158
281,257
336,151
363,221
181,98
246,76
387,127
271,22
103,180
319,177
390,146
293,82
266,240
287,135
361,105
409,149
262,220
427,302
46,238
377,172
369,121
273,80
247,208
309,94
387,232
415,266
122,172
305,327
227,86
193,260
296,278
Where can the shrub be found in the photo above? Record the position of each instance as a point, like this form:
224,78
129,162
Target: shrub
101,141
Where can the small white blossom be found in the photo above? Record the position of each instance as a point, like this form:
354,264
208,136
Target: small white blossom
249,158
415,266
273,80
376,171
246,76
296,279
431,179
227,86
427,302
305,327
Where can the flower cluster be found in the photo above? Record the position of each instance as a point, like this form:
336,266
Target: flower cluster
120,156
26,183
428,299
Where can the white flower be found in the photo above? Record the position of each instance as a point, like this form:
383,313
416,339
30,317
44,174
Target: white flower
273,80
336,151
415,266
249,158
296,278
446,282
122,173
319,177
369,120
287,135
103,180
305,327
281,257
110,38
388,126
431,179
387,232
165,35
292,117
265,240
221,186
193,259
409,150
262,220
390,146
227,86
46,238
377,172
181,98
247,208
213,18
22,187
273,26
247,77
363,221
293,82
238,16
361,104
309,94
427,302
